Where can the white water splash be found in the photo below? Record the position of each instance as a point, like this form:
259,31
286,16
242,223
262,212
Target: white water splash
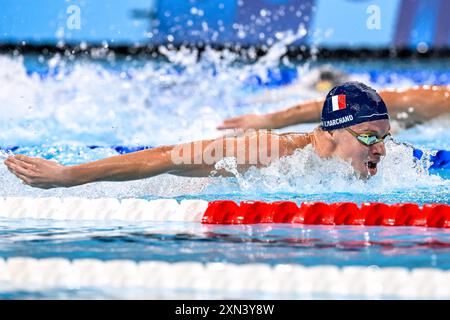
306,173
272,57
147,105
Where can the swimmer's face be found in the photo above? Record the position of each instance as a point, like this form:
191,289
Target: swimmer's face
364,159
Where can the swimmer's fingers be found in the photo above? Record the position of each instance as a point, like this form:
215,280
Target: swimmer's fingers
37,172
30,178
35,165
18,162
18,168
231,123
26,159
30,182
247,121
25,171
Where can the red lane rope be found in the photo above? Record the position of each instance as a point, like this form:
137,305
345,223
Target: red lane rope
319,213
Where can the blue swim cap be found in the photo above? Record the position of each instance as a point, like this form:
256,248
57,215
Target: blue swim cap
352,103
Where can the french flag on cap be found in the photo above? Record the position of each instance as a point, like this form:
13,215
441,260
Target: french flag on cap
338,102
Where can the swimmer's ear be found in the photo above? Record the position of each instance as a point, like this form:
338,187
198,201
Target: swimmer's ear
325,142
330,142
330,136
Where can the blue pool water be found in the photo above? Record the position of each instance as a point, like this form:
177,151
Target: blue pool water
271,244
55,108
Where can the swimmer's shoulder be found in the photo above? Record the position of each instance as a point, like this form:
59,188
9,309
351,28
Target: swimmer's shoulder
296,140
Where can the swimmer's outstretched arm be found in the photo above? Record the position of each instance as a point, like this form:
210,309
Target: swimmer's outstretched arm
410,106
191,159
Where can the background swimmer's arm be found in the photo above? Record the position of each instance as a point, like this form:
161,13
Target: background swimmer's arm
417,104
191,159
305,112
409,106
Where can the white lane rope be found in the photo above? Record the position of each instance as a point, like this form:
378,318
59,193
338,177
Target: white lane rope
102,209
364,282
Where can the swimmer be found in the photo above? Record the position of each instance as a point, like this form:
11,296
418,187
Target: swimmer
407,106
355,123
315,82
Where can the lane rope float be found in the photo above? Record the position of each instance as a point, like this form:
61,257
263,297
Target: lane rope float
227,212
231,280
319,213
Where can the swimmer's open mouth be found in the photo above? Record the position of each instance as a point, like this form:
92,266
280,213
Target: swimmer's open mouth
372,167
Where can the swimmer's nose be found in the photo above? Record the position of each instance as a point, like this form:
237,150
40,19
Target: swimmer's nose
378,149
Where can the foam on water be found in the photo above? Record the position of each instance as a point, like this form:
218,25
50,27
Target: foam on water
306,173
151,105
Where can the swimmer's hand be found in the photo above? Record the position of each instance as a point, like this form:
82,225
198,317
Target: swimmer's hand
37,172
247,121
